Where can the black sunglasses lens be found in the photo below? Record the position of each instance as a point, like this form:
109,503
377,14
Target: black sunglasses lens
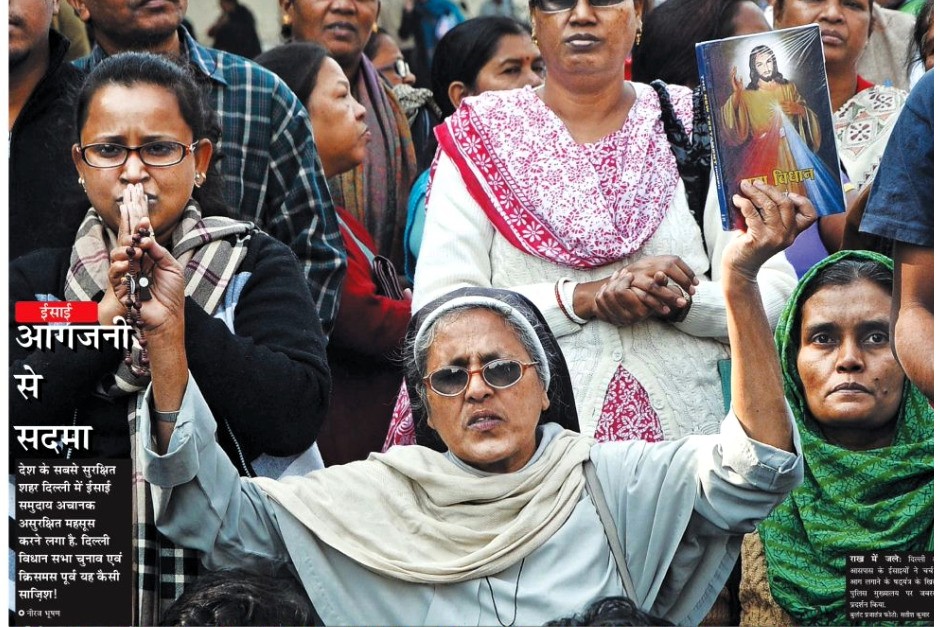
501,374
449,380
555,6
552,6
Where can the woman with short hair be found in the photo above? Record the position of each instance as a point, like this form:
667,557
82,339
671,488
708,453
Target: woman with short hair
370,324
375,192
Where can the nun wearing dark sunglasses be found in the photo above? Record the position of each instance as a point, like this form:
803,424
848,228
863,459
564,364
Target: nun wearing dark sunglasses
503,513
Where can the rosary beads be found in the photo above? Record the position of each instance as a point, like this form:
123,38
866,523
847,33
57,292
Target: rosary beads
138,291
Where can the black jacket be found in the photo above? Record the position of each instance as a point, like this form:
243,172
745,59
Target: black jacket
267,384
46,202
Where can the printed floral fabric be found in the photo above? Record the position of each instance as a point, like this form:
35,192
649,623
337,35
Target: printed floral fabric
627,413
579,205
401,431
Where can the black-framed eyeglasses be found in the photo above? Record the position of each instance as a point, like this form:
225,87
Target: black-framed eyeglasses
399,66
557,6
499,374
159,154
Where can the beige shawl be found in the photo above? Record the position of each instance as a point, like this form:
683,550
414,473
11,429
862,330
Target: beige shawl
414,515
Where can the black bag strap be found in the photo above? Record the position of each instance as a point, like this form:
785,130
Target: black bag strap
692,153
607,520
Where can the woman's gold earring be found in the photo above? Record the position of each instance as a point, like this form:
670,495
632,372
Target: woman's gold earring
535,39
639,34
81,181
375,27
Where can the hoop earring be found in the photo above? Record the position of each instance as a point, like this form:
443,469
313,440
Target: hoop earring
199,179
81,181
535,39
639,34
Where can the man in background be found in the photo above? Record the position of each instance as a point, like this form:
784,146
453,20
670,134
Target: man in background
46,202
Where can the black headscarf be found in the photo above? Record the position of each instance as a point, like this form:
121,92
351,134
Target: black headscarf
561,408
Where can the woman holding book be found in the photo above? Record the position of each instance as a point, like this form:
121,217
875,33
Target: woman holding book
867,438
570,195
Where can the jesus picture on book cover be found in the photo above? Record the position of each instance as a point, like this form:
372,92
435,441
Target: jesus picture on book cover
768,102
768,114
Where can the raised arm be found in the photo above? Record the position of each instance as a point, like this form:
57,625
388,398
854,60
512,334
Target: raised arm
773,221
912,314
161,317
708,316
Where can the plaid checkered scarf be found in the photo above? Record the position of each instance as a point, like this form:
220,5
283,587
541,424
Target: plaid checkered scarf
211,250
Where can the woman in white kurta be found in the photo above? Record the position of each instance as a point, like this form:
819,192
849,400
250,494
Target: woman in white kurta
499,528
558,193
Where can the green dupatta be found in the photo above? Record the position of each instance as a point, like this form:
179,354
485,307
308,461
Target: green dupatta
850,501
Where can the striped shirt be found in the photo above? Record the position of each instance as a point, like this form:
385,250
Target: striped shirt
272,172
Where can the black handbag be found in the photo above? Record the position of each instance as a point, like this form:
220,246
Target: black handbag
385,277
384,274
693,153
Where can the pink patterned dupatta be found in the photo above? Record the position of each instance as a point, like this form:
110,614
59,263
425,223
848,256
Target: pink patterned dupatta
578,205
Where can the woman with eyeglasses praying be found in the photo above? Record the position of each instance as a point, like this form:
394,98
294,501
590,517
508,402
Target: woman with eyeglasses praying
211,294
503,514
569,193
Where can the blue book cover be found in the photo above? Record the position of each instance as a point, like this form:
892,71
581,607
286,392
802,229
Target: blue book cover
769,111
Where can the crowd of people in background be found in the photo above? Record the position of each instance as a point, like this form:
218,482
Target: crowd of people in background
432,322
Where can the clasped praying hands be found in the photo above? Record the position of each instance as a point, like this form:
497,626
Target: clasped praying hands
145,280
660,286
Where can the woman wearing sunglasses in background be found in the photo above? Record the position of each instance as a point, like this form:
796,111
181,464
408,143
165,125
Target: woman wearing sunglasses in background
493,520
416,102
569,193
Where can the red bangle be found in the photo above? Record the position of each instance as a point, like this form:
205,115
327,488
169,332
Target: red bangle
561,304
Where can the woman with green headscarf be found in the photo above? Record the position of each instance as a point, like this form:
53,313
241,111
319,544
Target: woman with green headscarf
867,443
